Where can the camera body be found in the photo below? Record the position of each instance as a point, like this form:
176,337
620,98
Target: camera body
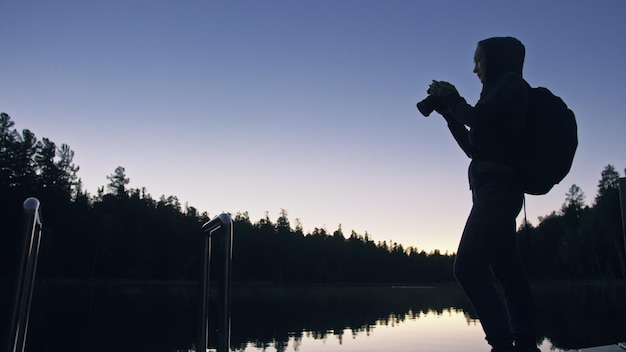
437,103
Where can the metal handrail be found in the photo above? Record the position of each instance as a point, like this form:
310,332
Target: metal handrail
622,201
220,230
25,280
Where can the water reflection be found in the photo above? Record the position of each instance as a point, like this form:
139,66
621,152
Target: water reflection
309,318
582,315
271,316
449,330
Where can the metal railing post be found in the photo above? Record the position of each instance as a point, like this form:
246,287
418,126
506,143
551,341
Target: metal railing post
25,280
622,200
218,231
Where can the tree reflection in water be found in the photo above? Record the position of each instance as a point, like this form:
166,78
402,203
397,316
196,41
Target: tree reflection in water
156,317
449,330
273,315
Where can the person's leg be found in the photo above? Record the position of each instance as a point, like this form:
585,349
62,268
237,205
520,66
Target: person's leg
483,236
509,271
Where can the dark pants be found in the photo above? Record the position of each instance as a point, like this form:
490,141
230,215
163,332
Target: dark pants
487,250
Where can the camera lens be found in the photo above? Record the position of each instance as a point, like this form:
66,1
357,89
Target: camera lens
427,106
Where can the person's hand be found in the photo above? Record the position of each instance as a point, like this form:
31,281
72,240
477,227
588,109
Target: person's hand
442,89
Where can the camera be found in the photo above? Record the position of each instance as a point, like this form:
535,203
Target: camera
429,104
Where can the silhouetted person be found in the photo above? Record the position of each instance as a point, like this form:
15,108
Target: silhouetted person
490,133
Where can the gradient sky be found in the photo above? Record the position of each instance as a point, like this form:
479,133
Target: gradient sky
307,106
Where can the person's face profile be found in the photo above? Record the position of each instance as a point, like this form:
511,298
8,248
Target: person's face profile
479,64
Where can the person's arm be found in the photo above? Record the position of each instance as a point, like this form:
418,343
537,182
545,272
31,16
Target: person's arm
460,133
490,107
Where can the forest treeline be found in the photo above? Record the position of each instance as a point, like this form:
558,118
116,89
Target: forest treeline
125,233
579,241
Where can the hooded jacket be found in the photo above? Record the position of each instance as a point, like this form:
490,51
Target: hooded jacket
491,131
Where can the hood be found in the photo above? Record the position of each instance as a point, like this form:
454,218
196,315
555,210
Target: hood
502,55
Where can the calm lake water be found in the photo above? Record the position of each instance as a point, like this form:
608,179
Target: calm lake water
310,318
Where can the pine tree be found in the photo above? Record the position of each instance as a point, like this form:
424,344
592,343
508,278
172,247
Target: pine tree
118,181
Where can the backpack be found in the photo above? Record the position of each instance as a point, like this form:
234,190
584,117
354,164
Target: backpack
550,142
